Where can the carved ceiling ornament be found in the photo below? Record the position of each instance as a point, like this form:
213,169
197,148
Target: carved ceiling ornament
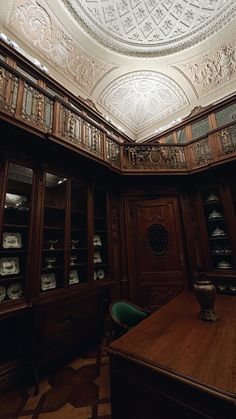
212,69
151,27
32,22
142,98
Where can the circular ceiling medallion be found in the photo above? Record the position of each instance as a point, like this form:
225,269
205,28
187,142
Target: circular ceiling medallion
151,27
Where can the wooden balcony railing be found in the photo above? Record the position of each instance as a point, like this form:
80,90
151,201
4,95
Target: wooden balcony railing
23,101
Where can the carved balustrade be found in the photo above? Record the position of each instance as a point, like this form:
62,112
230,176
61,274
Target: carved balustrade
227,140
154,157
25,101
112,152
200,152
37,108
9,84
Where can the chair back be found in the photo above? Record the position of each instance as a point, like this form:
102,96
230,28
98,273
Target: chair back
125,315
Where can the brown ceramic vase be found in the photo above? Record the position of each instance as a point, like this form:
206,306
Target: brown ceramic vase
205,292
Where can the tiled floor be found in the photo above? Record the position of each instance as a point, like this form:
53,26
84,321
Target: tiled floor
78,390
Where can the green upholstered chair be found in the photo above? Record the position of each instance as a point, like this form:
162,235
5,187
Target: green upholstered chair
125,315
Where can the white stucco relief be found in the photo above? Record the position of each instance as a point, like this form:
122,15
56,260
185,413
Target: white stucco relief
151,27
30,20
212,69
141,99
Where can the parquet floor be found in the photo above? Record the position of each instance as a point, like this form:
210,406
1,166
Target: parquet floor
77,390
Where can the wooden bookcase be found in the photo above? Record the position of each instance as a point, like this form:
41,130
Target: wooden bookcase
50,302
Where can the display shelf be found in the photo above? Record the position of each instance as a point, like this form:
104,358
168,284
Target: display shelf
11,278
12,251
46,227
15,232
217,229
218,238
78,248
7,225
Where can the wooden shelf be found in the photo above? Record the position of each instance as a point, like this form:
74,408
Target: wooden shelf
15,226
54,227
13,250
53,250
11,278
218,238
53,208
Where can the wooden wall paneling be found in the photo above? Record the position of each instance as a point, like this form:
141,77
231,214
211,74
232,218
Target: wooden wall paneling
129,247
114,237
3,186
191,232
123,280
230,215
202,232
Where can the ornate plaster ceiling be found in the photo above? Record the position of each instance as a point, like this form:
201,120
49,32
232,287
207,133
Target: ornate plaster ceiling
142,98
96,48
151,27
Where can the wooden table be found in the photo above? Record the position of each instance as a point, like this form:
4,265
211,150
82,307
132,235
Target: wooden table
173,365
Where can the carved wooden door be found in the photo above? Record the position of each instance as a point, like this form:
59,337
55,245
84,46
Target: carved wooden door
159,250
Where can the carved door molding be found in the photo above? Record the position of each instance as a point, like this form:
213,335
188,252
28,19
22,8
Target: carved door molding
158,250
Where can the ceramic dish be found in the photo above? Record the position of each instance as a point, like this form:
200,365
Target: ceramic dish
221,286
224,265
73,260
3,293
97,257
73,278
97,240
232,287
9,266
212,197
11,240
14,291
101,273
218,233
214,215
48,281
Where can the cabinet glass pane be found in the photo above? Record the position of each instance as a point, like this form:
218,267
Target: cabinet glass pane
16,223
181,136
100,255
52,265
226,115
169,139
200,128
78,259
217,229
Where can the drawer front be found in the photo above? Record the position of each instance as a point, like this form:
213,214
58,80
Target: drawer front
66,327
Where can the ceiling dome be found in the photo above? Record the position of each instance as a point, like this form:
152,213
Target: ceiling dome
151,27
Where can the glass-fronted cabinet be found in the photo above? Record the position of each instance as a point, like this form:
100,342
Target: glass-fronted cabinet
220,239
54,227
100,255
16,230
78,259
